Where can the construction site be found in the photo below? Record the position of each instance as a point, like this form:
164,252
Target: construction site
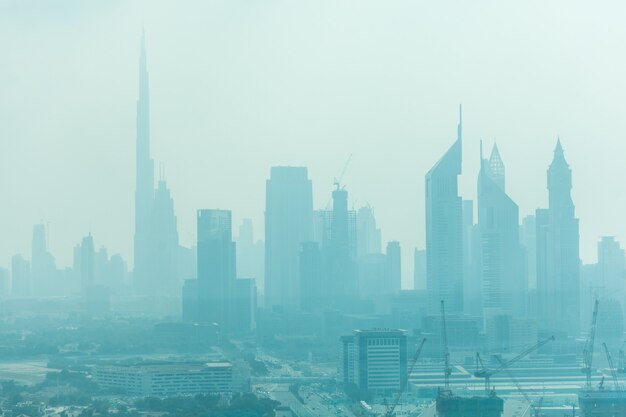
526,384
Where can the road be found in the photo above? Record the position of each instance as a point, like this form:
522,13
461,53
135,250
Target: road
313,405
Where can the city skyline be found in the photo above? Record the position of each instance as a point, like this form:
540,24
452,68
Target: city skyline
111,219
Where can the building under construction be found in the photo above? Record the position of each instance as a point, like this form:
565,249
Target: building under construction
602,403
449,405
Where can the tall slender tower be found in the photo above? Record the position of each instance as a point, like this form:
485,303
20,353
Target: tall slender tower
288,224
444,230
558,284
502,275
144,179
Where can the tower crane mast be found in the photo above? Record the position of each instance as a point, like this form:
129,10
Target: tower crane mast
588,352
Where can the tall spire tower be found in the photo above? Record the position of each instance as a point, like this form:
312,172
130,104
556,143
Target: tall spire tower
144,179
444,229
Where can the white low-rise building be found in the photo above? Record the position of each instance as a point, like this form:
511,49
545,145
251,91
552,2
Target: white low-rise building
166,379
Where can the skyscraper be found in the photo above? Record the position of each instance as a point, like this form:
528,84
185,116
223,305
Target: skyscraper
43,266
216,267
163,243
144,180
472,284
311,277
250,254
501,270
342,272
559,281
444,233
368,234
611,268
288,223
84,263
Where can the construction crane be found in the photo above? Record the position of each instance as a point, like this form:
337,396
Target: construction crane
588,351
536,408
611,367
447,371
484,373
337,181
405,383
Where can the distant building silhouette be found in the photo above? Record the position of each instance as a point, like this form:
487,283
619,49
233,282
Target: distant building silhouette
163,245
504,288
342,272
558,260
368,234
84,263
216,267
288,223
444,233
528,238
419,269
611,268
43,266
311,277
20,277
144,181
250,254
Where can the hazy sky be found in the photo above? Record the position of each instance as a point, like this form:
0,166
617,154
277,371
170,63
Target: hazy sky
238,86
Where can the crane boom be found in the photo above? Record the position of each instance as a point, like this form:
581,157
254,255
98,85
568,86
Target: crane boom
611,367
405,383
588,352
488,374
446,352
343,172
536,408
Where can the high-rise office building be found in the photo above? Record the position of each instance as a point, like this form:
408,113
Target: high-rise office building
311,277
144,181
558,260
528,239
611,271
250,254
472,284
43,266
163,245
375,360
342,272
216,267
419,269
504,288
84,263
288,223
368,234
444,230
242,300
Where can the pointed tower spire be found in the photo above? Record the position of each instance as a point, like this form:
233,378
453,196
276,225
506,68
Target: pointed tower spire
144,177
496,167
559,155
